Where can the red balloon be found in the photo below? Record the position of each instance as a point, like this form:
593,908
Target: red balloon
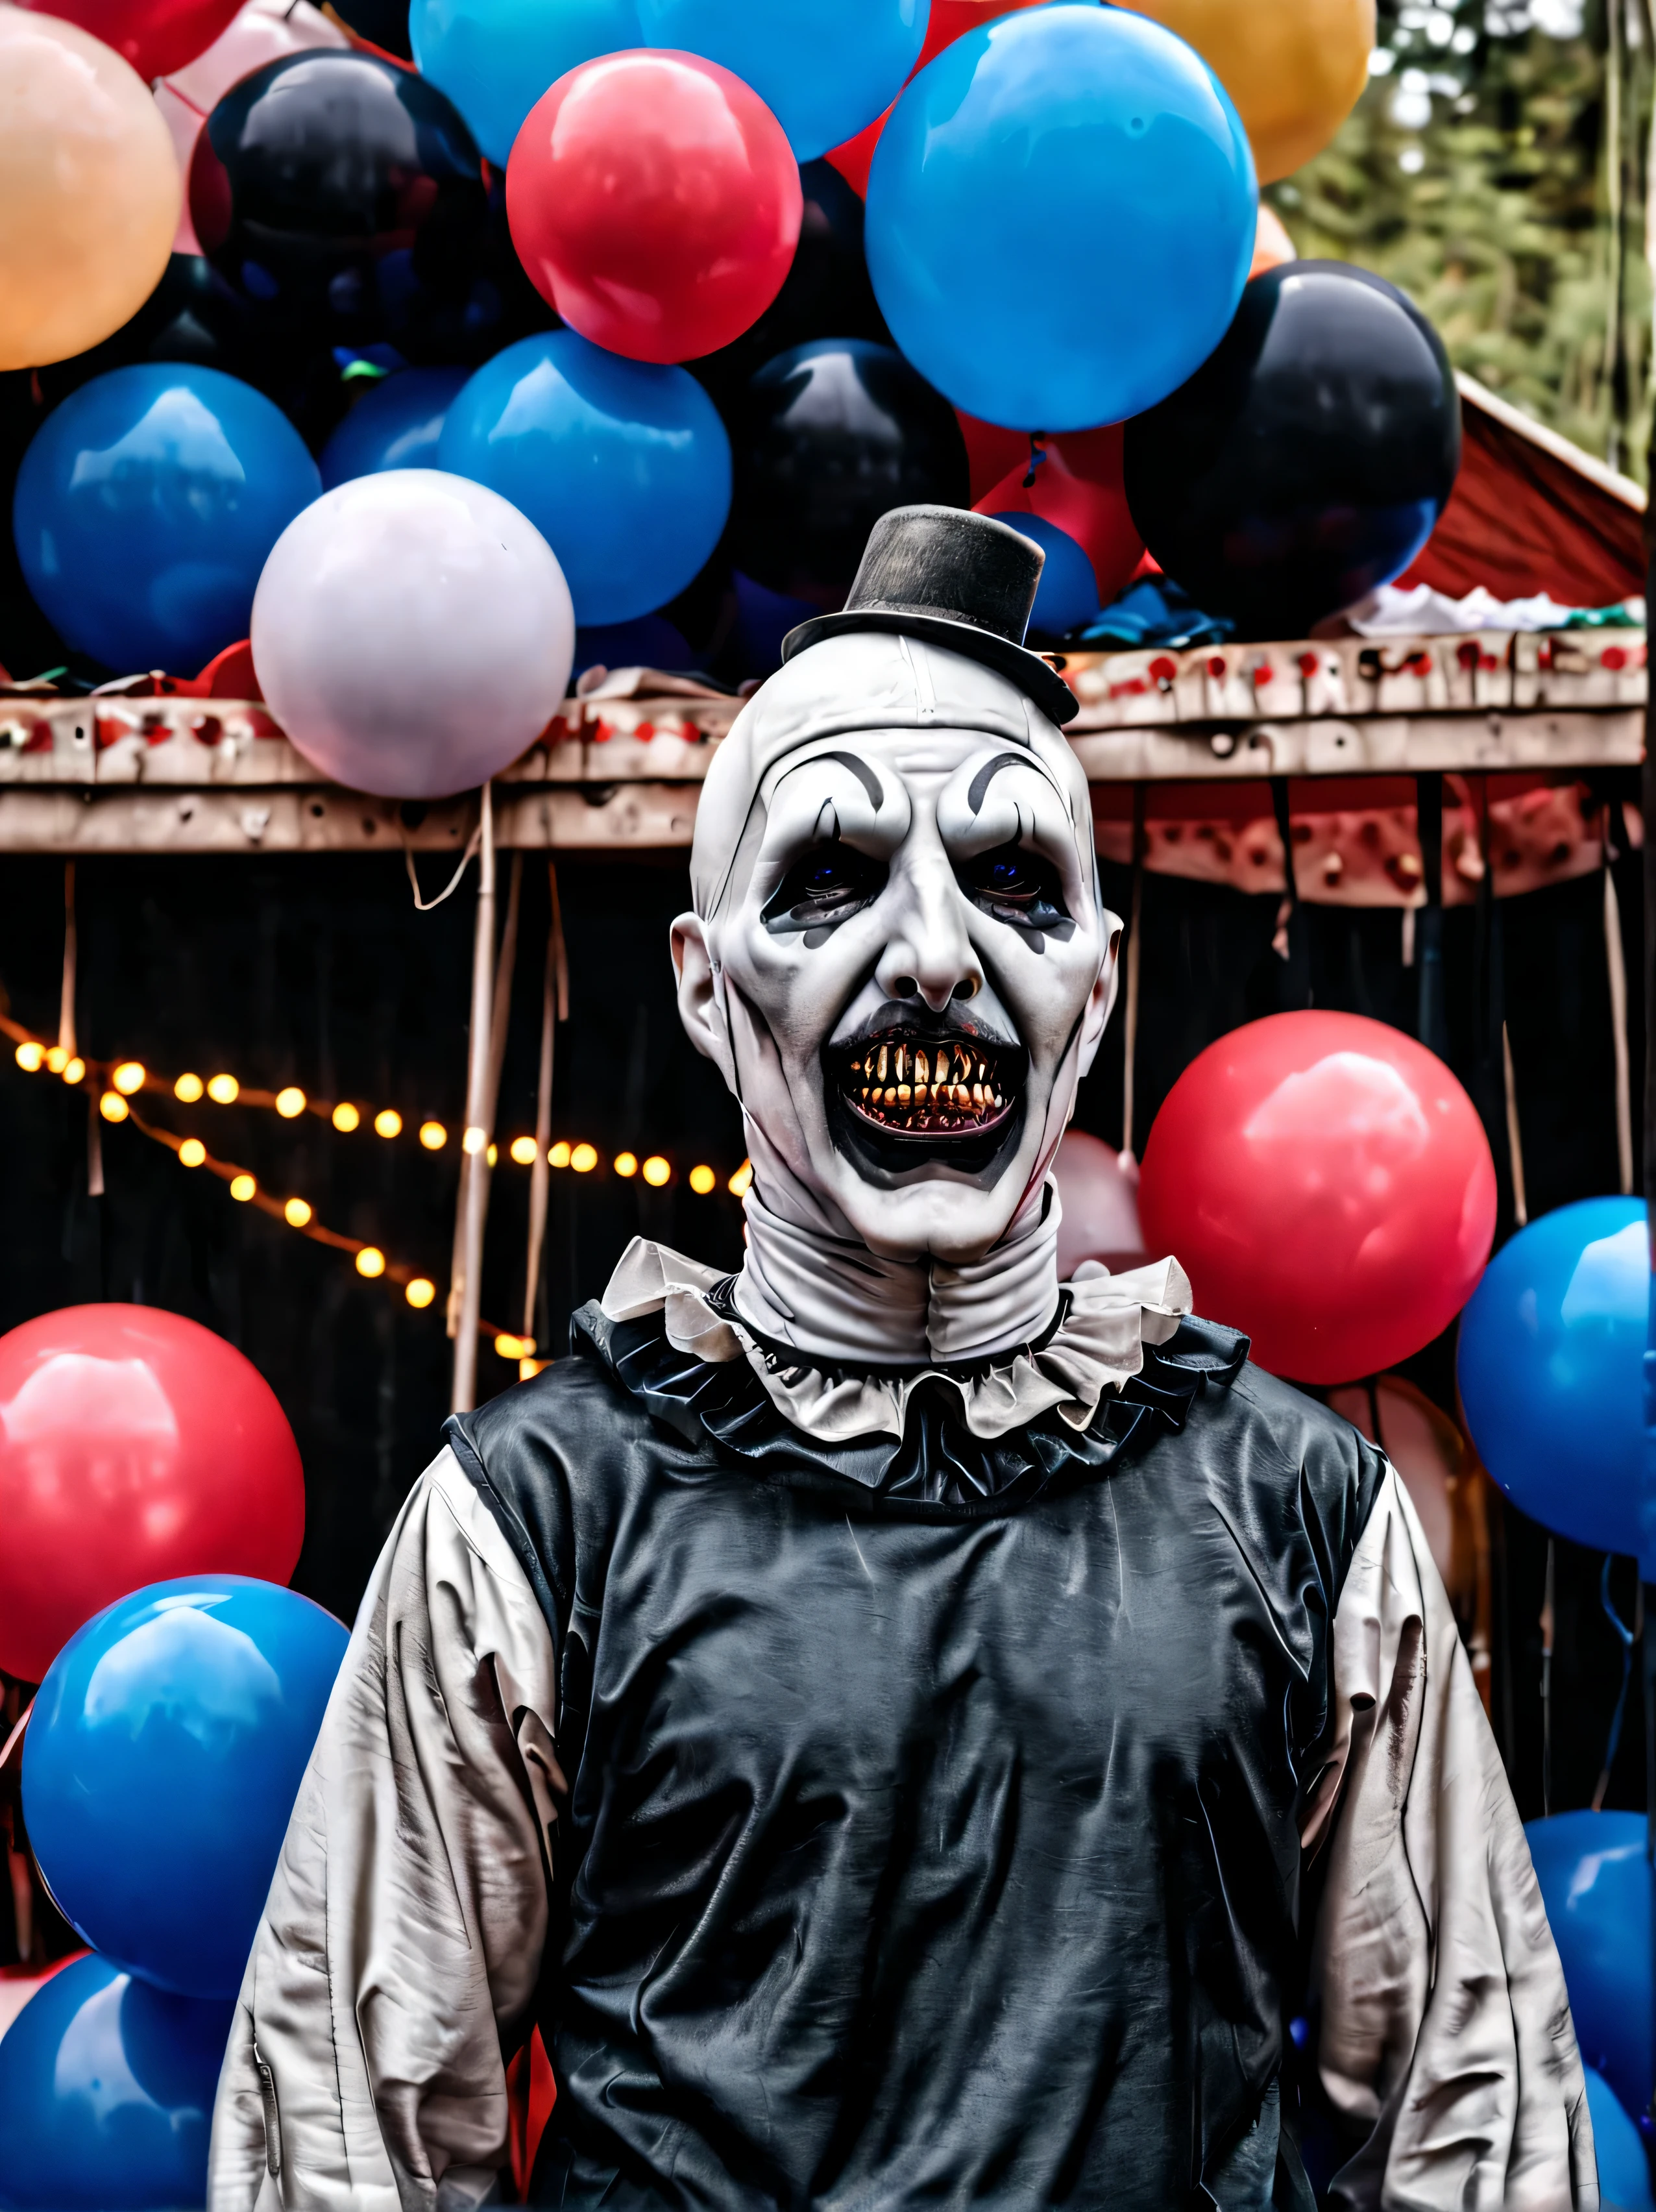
134,1446
1080,487
156,36
655,202
1327,1186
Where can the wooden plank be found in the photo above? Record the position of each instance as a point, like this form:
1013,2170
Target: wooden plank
626,817
1382,744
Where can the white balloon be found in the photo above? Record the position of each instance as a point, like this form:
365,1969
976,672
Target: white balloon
412,633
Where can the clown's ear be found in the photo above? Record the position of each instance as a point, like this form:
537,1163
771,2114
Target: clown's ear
701,1008
1102,997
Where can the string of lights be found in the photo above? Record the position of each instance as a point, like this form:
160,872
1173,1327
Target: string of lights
116,1083
119,1081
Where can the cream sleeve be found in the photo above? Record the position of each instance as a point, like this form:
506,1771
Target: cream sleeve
400,1942
1444,2023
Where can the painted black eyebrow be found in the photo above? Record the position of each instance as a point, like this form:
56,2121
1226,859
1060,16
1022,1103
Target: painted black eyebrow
986,774
859,767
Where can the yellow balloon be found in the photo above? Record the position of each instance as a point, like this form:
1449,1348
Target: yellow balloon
89,189
1292,67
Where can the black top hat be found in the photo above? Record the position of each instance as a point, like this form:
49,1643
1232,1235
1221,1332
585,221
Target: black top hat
955,578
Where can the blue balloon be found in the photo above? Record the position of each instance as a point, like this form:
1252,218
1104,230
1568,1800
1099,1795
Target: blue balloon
163,1756
1596,1886
1624,2168
1551,1353
763,619
394,425
1056,141
624,468
1066,597
145,507
496,57
107,2090
824,68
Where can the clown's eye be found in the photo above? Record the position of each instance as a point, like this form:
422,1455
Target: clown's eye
1014,886
827,884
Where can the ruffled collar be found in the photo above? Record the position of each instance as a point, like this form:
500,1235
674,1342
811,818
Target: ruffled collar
1094,1342
683,1354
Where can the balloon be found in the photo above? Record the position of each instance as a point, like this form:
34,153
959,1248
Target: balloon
412,634
342,196
607,227
623,467
1623,2169
1077,489
1308,460
649,642
1596,1887
152,37
1066,597
106,2089
1550,1365
763,619
1328,1189
826,295
191,315
1292,67
163,1755
1099,1189
827,439
496,57
394,425
950,19
89,191
145,507
133,1444
261,31
824,68
1021,144
1271,244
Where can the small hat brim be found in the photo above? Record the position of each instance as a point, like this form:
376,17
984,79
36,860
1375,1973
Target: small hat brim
1035,677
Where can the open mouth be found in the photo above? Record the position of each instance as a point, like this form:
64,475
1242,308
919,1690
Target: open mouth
905,1085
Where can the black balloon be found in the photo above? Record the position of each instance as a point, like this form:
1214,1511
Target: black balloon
191,315
384,23
344,199
825,440
1307,459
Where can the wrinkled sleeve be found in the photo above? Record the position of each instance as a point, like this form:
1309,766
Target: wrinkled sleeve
400,1942
1444,2023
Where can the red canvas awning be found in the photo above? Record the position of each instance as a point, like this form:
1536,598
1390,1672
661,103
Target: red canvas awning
1532,513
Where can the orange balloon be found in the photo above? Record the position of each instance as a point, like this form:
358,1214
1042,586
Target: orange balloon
1292,67
89,191
1272,245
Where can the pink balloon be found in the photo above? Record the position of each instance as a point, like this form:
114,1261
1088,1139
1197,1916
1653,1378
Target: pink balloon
1099,1189
263,31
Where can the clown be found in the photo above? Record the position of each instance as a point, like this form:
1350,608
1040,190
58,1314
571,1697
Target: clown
873,1711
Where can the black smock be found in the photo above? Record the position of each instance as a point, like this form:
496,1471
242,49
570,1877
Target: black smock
932,1827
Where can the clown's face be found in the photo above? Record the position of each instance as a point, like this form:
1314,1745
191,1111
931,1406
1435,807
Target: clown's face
906,975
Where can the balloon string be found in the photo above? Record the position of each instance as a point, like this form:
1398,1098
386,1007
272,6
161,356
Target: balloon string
425,905
1628,1638
1037,455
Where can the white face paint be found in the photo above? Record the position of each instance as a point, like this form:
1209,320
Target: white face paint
905,968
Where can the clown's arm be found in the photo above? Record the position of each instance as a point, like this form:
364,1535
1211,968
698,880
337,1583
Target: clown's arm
1444,2023
400,1942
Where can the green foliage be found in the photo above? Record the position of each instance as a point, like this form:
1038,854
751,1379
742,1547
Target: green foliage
1475,174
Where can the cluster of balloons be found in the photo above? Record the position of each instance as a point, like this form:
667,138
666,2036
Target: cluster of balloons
166,1744
496,255
1328,1186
